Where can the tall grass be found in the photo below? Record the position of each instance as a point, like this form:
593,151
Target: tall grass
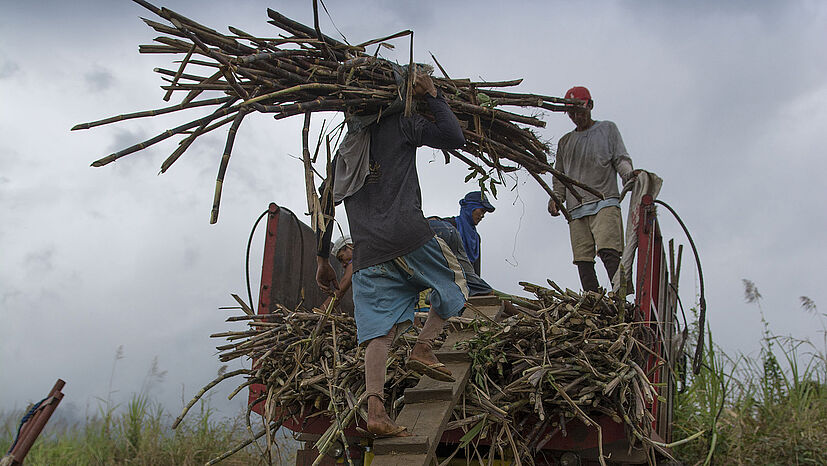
139,433
766,409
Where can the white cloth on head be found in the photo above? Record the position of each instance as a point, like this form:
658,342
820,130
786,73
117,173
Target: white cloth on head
339,244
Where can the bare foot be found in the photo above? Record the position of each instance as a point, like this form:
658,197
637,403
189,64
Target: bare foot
423,352
508,308
424,361
379,424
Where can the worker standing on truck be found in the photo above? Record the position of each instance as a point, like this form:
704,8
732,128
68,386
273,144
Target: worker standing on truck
594,154
472,209
395,255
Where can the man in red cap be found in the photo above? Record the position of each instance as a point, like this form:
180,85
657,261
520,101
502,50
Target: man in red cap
594,154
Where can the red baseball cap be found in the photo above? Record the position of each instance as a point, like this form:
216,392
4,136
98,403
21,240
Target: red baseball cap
579,93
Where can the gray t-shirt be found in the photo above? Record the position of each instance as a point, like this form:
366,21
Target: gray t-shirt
594,157
385,215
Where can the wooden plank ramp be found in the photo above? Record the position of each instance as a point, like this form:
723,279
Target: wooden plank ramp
428,405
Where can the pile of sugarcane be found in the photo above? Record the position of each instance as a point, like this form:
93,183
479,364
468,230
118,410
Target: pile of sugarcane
310,365
564,356
301,71
561,357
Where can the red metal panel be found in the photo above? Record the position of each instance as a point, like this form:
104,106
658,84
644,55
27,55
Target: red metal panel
647,297
288,272
257,390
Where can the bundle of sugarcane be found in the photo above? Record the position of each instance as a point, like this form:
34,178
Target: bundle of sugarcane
310,365
564,356
304,71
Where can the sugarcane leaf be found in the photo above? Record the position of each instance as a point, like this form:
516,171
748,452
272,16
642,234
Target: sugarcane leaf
484,100
466,439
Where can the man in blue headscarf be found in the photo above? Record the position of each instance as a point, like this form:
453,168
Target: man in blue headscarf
473,208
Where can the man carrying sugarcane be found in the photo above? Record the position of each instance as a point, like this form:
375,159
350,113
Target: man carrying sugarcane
594,154
396,254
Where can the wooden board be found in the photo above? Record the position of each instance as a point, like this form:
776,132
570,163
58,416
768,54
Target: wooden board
425,419
424,416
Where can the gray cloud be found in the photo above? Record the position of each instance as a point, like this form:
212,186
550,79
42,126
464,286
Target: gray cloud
9,157
190,257
40,262
99,79
8,294
411,14
8,69
123,138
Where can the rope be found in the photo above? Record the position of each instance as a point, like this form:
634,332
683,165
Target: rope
699,348
26,419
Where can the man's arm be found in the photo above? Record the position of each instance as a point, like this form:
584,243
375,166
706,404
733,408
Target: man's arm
346,281
444,132
621,161
344,286
557,187
624,168
325,275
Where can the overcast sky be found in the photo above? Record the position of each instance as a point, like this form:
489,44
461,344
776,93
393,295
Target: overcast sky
726,102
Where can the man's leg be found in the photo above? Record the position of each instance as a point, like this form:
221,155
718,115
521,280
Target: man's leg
376,356
434,265
611,260
588,277
383,305
607,228
582,248
423,349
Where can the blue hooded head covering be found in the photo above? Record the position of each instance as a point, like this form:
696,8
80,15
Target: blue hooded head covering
465,222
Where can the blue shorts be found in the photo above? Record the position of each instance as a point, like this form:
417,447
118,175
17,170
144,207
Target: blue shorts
385,294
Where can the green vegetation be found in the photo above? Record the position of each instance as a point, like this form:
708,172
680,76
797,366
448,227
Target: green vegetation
139,433
770,409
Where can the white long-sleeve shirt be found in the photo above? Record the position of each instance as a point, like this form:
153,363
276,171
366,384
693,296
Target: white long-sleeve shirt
594,157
